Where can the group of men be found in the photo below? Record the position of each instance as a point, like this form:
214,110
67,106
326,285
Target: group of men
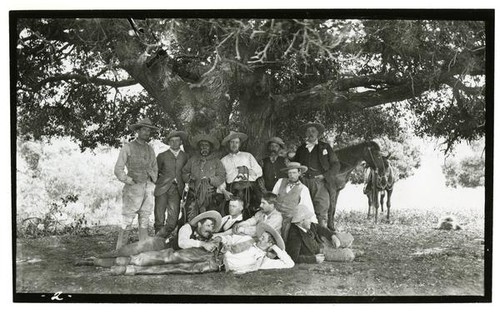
238,213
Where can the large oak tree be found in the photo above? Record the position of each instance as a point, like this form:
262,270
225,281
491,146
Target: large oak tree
90,77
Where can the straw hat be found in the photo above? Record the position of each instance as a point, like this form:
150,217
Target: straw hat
144,122
212,214
320,127
232,135
263,227
183,135
276,140
295,165
205,137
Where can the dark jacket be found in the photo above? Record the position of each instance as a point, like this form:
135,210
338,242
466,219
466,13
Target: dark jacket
329,162
271,171
170,168
302,246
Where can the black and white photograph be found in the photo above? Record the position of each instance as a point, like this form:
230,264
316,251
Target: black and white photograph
186,156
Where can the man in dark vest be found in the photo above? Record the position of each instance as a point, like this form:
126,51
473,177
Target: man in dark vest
291,193
142,171
323,166
272,165
169,185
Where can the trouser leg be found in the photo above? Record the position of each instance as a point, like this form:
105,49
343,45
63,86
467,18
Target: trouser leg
321,200
285,228
159,211
169,256
145,209
173,208
182,268
150,244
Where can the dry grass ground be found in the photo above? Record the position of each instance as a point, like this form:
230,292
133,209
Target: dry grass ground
405,256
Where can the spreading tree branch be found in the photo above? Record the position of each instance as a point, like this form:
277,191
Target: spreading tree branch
86,79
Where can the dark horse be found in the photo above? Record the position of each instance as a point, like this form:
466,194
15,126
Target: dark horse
350,157
379,184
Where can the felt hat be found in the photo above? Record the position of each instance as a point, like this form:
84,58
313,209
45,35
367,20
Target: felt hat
232,135
263,227
205,137
301,213
276,140
295,165
183,135
320,127
212,214
144,122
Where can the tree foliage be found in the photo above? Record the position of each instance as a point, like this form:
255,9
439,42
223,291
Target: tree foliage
89,78
468,170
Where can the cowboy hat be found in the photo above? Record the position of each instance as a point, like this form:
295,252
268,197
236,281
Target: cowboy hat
263,227
183,135
301,213
205,137
320,127
295,165
232,135
276,140
144,122
212,214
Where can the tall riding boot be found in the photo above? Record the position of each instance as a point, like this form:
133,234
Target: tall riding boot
143,234
123,236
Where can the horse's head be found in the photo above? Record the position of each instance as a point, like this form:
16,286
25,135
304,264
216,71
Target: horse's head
373,157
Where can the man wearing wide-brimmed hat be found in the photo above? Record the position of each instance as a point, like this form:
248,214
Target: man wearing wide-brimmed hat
272,165
170,184
189,252
291,193
242,171
323,166
246,254
203,174
142,171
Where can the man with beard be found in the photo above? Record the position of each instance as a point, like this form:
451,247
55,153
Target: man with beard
203,173
291,193
323,166
142,171
272,165
193,243
242,171
169,185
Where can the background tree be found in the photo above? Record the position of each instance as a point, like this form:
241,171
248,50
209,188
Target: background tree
467,170
261,76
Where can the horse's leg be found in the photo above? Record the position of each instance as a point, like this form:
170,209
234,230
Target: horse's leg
382,196
389,193
369,197
332,209
375,202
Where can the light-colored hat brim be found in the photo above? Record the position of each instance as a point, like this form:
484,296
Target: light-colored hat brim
183,135
242,136
276,140
205,137
263,227
301,167
208,214
320,127
301,213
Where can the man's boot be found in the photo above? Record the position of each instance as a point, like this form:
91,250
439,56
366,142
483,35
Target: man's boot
143,234
123,236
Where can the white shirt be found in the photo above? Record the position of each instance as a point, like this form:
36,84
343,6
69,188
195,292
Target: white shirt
305,197
184,238
175,152
231,163
310,146
253,258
